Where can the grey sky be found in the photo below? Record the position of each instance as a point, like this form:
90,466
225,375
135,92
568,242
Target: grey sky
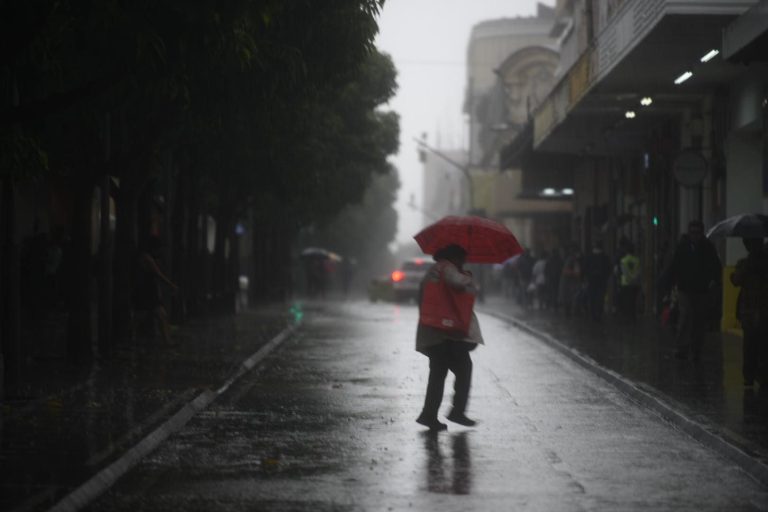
427,40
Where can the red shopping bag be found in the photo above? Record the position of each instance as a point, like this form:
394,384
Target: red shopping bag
446,308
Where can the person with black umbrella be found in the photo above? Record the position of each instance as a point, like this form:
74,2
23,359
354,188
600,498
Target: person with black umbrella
696,270
751,275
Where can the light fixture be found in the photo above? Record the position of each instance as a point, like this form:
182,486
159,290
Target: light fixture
682,78
567,191
630,114
548,192
646,101
710,55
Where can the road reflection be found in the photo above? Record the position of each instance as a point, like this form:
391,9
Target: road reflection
460,465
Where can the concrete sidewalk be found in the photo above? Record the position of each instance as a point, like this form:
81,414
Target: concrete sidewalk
710,392
52,444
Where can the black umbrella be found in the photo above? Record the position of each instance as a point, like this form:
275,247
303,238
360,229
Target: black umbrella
747,225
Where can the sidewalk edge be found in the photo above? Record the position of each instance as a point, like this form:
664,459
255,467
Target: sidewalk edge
106,478
664,407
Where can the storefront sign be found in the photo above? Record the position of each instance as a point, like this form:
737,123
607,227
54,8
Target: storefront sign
690,168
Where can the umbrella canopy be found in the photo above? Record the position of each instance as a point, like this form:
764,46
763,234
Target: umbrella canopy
314,252
484,240
318,252
747,225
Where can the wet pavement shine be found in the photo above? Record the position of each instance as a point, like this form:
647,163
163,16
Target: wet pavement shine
52,444
327,423
710,391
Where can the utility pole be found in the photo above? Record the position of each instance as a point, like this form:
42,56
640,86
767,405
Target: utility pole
423,146
413,206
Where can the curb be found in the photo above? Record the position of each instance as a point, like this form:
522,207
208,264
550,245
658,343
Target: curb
106,478
667,408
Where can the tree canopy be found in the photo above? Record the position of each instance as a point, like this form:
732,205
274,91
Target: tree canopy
270,102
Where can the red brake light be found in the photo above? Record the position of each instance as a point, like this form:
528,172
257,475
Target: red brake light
419,261
398,275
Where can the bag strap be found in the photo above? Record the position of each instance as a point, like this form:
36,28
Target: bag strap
450,291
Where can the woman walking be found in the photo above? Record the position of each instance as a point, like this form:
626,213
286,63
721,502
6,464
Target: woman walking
446,342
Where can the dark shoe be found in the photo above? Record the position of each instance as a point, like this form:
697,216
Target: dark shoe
680,354
431,423
461,419
748,383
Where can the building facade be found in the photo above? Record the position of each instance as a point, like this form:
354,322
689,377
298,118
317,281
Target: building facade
512,64
658,123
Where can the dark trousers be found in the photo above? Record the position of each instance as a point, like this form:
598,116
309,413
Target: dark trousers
453,356
596,301
755,364
628,300
692,323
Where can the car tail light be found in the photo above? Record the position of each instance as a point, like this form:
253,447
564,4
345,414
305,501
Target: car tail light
398,275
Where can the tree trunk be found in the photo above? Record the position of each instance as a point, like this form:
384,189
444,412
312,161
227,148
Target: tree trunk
180,246
124,258
80,332
192,286
10,301
105,270
222,281
271,259
106,248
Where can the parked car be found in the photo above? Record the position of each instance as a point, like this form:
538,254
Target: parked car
401,284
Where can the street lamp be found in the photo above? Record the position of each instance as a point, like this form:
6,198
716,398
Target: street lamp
423,146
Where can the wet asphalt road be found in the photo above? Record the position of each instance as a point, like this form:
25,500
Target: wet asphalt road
328,424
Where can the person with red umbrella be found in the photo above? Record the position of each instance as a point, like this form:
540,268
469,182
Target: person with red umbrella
448,328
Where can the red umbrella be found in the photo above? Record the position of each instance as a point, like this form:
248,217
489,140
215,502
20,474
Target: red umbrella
485,241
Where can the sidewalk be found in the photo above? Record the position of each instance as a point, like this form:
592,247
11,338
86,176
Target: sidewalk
710,392
52,444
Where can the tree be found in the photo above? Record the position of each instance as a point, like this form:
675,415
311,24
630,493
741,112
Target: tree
363,231
213,108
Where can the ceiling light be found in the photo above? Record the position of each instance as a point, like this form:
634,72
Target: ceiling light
710,55
682,78
630,114
567,191
646,101
548,192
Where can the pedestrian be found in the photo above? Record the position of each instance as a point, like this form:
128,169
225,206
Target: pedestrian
597,271
696,271
539,281
446,346
524,267
570,280
751,275
629,281
553,272
509,279
146,292
348,267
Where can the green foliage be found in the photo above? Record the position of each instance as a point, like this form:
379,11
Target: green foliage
21,156
364,230
270,103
